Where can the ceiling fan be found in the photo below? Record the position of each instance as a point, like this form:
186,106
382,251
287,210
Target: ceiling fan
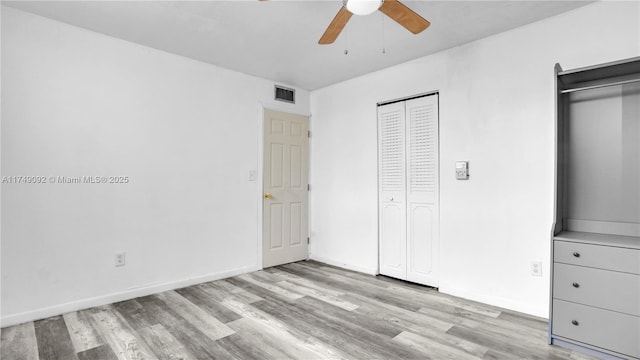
392,8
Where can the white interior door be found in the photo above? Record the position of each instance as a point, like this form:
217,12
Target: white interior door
422,190
408,152
392,190
285,205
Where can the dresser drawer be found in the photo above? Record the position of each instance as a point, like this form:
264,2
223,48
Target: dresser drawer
597,256
601,288
602,328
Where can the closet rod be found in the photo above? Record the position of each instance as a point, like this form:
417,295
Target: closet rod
600,86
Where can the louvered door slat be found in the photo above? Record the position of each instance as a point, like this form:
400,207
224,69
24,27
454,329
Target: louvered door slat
392,149
423,148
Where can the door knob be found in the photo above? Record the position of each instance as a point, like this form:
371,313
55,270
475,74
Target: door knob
268,196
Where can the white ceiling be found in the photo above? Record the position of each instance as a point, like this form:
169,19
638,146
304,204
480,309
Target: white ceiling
278,39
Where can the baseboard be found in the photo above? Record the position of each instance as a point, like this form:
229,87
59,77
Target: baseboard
370,271
128,294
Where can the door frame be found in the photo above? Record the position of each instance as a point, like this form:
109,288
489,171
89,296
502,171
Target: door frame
260,172
387,102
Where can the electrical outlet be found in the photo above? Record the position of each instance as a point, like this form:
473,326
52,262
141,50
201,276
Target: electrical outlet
120,259
536,268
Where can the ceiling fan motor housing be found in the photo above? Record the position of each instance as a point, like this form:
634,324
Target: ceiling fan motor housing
363,7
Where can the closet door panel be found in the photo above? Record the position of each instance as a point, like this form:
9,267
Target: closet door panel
392,190
421,242
422,189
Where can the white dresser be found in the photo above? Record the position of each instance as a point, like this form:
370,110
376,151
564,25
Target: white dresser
596,291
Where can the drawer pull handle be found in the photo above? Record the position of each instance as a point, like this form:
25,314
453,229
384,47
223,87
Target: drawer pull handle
575,322
576,254
576,285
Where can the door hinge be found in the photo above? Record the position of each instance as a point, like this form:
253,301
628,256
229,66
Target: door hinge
308,133
308,187
308,240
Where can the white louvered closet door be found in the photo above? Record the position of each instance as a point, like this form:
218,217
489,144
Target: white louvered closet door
408,189
392,190
422,190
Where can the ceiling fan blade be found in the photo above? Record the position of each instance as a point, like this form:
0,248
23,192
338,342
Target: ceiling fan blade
404,16
337,24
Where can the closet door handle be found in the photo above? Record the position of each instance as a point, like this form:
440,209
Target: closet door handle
575,322
576,285
576,254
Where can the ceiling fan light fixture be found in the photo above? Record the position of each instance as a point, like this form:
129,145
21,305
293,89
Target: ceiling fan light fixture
363,7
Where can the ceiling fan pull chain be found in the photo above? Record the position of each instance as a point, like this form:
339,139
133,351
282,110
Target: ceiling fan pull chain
384,51
346,51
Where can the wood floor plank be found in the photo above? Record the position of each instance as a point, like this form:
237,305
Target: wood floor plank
198,343
525,320
121,337
318,328
293,343
196,316
332,273
432,349
578,356
434,297
337,314
244,346
517,348
135,314
54,342
164,345
19,342
265,276
271,348
102,352
300,289
348,285
336,272
304,282
271,287
82,330
258,290
348,338
209,301
421,324
239,293
383,311
496,327
492,354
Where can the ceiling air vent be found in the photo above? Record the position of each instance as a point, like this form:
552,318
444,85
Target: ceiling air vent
285,94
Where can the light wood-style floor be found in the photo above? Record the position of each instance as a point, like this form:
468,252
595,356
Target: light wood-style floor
305,310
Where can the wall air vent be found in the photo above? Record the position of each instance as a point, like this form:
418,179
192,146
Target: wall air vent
285,94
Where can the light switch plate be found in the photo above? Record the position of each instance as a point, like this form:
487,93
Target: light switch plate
462,170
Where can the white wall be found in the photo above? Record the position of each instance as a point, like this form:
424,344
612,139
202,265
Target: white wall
77,103
497,111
